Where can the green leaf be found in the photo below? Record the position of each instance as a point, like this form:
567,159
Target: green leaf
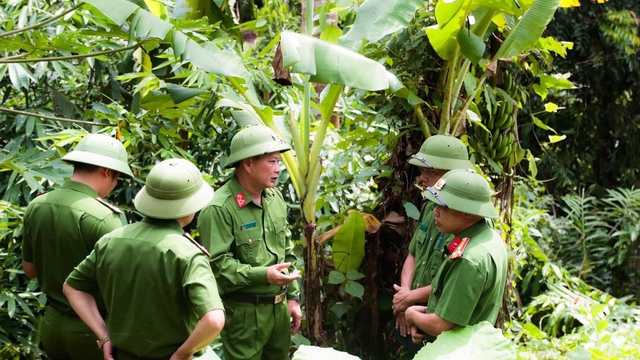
444,38
306,352
480,341
556,138
336,277
527,31
144,25
471,45
354,289
551,107
116,10
448,9
412,210
556,81
537,122
340,309
179,93
533,331
509,7
533,168
354,275
329,63
378,18
348,244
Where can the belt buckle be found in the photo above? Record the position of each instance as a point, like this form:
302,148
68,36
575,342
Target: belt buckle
279,298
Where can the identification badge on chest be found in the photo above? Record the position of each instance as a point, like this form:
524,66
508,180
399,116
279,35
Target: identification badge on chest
249,225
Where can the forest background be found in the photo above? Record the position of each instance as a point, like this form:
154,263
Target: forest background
550,114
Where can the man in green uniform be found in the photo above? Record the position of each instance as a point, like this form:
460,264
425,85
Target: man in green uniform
469,285
156,280
60,230
245,229
437,155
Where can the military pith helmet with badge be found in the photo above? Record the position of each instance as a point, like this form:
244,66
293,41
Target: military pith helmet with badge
464,191
174,189
101,150
253,141
443,152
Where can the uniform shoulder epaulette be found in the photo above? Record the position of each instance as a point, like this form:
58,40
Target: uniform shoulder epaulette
194,242
220,198
459,250
111,207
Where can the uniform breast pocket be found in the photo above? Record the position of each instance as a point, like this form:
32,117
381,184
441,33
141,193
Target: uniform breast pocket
421,233
250,247
282,232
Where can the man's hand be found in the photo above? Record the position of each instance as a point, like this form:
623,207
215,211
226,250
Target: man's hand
296,315
107,351
401,324
401,300
275,276
416,335
413,312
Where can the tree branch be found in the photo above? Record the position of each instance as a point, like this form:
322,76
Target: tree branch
70,57
20,112
12,32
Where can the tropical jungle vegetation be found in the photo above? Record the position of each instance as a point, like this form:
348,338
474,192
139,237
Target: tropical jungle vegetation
544,92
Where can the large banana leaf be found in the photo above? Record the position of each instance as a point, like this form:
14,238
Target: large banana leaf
443,38
528,29
480,342
378,18
307,352
348,244
145,25
329,63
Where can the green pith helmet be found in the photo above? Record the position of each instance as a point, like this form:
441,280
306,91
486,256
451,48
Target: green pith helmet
443,152
464,191
174,188
101,150
253,141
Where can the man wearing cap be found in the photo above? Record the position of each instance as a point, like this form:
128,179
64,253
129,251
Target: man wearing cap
469,285
156,280
245,229
437,155
60,230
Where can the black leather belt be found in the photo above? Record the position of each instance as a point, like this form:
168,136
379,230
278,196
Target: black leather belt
257,299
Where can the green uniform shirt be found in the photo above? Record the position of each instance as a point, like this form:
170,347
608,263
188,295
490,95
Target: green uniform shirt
156,285
469,289
245,238
426,247
60,230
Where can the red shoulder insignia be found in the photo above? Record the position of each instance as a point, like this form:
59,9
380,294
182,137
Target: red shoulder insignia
194,242
111,207
240,200
462,244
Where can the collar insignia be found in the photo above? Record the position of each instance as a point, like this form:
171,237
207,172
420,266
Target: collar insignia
459,249
240,200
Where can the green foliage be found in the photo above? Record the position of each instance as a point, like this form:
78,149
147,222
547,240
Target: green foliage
601,115
565,317
20,302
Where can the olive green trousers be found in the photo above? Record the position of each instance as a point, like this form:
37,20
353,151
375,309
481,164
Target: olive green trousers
256,332
66,337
